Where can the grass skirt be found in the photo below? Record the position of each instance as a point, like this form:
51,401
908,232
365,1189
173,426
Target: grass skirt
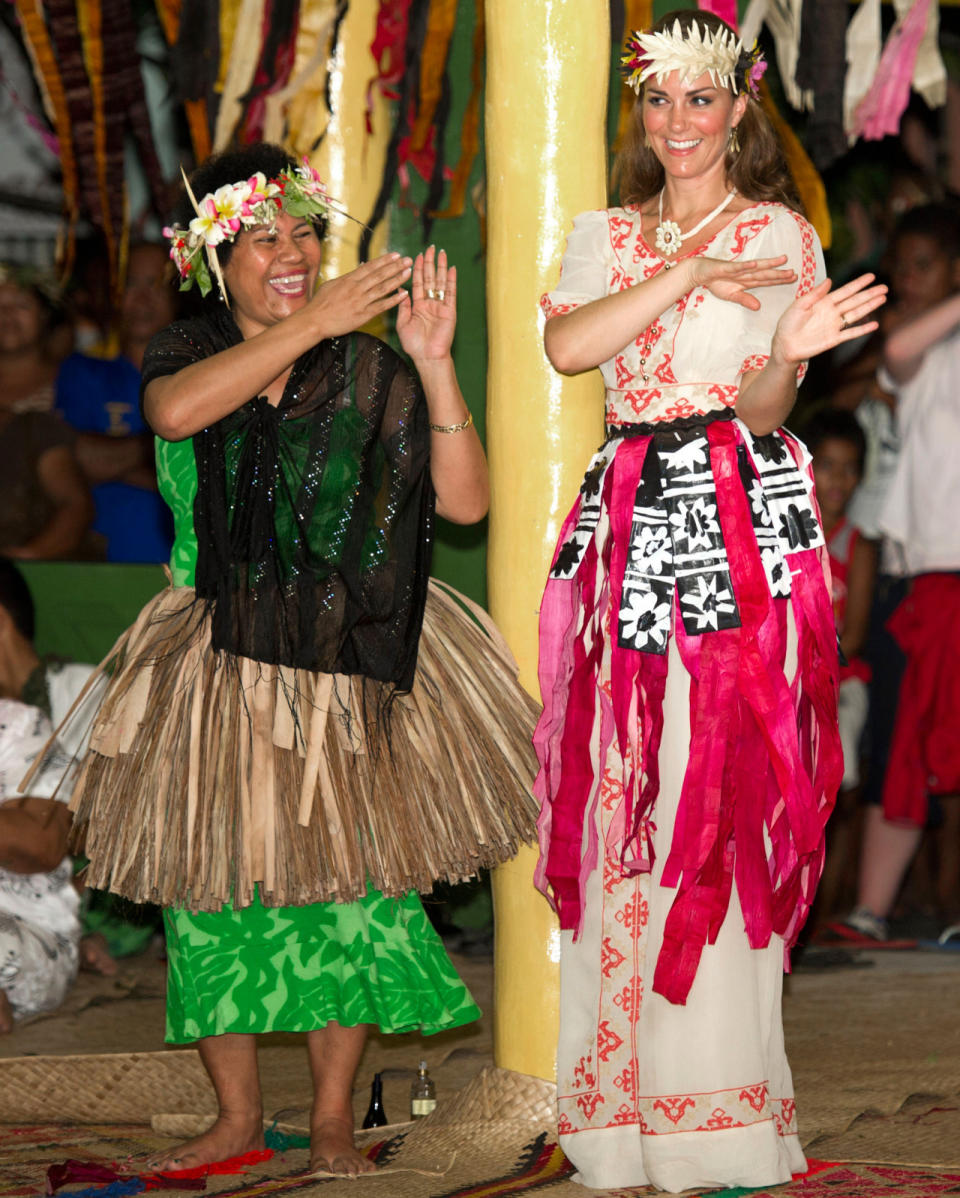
209,775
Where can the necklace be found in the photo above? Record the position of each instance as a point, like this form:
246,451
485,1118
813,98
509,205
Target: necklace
668,236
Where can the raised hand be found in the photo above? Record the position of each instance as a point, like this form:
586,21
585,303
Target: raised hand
349,301
733,281
823,318
427,318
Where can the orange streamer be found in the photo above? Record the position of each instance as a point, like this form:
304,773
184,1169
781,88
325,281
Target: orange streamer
440,21
45,64
638,14
169,14
470,130
199,127
90,21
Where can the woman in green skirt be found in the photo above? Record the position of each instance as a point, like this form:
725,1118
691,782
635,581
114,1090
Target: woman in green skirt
303,730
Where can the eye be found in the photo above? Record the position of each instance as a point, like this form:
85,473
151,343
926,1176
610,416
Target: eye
701,101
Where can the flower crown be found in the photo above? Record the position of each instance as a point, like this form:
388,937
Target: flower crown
224,213
698,51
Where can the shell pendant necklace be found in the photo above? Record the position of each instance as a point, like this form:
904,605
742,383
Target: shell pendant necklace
668,236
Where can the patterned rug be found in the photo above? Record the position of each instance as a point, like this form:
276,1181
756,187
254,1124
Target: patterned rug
414,1162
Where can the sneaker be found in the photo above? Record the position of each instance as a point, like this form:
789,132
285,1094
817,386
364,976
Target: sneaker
863,920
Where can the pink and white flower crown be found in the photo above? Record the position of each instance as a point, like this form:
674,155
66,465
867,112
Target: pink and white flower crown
224,213
692,53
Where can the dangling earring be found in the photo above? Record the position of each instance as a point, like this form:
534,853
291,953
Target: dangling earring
734,143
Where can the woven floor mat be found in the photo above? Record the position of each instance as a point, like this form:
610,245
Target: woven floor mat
109,1088
495,1160
926,1128
869,1040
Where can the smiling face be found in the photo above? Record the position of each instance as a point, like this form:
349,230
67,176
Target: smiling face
272,272
836,472
688,124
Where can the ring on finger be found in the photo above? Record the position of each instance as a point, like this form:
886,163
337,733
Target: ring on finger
430,293
439,293
843,322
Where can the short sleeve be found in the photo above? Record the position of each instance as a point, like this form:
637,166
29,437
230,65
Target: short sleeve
788,233
586,266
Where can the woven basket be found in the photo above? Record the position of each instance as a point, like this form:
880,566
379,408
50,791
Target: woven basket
126,1087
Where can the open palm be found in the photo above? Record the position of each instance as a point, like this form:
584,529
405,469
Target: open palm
427,318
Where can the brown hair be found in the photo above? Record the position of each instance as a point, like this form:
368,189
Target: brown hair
758,171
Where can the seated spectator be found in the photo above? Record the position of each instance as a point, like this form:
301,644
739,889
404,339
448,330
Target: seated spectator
99,397
27,371
112,928
45,505
39,923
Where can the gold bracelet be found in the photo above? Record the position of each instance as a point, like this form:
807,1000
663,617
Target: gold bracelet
453,428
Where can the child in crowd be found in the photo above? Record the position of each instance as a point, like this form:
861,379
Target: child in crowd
838,446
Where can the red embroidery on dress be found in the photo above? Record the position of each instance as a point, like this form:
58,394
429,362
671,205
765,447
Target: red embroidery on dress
725,392
630,999
627,1079
639,401
634,913
789,1109
673,1108
756,1096
583,1074
611,957
607,1040
754,362
550,309
745,233
611,789
624,374
664,372
588,1103
619,280
680,407
564,1126
626,1114
719,1119
620,229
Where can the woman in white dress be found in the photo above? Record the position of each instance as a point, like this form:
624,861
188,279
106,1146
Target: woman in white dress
688,665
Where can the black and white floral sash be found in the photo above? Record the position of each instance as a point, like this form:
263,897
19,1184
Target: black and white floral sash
676,542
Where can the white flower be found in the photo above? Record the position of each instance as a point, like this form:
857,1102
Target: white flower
759,504
776,571
712,602
697,522
651,551
643,613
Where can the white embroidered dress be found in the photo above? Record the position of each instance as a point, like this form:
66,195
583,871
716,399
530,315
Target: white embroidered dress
652,1092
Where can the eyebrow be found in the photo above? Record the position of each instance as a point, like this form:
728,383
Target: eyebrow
700,91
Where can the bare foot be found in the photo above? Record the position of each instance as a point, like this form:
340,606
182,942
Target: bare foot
6,1013
332,1149
231,1135
95,956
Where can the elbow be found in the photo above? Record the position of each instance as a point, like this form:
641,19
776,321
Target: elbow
560,353
466,510
168,414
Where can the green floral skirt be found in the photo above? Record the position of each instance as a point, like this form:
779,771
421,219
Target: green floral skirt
293,969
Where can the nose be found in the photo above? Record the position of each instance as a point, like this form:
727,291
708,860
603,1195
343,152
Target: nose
290,249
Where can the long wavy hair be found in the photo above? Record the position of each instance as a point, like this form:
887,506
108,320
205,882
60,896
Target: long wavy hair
758,171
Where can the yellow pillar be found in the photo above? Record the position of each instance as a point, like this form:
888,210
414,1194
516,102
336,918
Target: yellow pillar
350,160
546,100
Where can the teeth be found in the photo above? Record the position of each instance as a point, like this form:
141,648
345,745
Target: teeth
288,280
683,145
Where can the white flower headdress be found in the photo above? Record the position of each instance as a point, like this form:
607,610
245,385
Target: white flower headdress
695,51
224,213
